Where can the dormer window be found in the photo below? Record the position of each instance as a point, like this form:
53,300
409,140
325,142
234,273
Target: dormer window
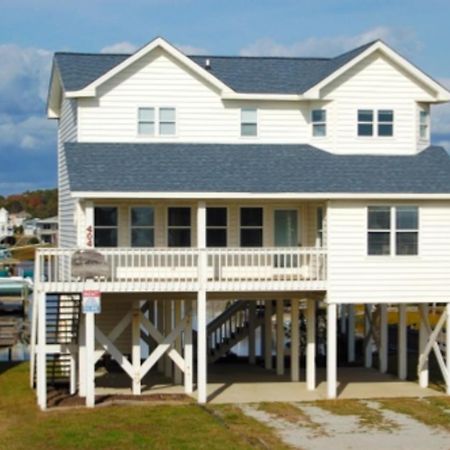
380,122
156,121
424,122
319,122
146,121
249,124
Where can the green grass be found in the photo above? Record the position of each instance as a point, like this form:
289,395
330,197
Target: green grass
24,426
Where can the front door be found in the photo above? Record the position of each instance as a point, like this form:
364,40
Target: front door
286,228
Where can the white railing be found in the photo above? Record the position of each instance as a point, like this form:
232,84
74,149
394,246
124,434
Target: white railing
177,269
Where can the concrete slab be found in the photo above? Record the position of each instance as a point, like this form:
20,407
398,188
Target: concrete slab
243,383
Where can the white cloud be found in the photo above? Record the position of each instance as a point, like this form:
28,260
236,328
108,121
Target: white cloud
33,133
120,47
402,39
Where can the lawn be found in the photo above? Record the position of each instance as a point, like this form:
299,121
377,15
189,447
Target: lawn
187,426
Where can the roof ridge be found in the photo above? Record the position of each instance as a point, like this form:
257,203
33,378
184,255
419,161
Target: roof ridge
92,54
261,57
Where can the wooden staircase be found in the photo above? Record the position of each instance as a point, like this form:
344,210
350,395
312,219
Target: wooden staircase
233,326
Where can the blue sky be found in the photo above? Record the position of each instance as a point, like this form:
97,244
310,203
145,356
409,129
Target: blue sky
30,30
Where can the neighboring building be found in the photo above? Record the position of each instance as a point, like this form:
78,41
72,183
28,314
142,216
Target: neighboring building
30,227
5,227
18,219
221,178
47,230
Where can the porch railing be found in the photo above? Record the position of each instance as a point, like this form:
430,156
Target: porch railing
178,269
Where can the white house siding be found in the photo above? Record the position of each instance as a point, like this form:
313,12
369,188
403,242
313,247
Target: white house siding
355,277
375,83
201,116
67,132
158,80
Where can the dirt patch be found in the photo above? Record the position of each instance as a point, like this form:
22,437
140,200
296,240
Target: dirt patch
61,398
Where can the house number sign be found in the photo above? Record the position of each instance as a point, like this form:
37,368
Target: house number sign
89,236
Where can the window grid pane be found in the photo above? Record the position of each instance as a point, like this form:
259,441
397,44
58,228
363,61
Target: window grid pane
319,115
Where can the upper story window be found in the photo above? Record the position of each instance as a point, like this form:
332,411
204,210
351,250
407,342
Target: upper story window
146,121
179,227
249,124
251,227
216,227
380,122
105,226
167,121
424,124
319,122
393,230
149,118
142,223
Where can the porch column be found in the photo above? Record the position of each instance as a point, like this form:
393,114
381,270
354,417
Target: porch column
311,345
167,329
82,357
73,373
423,339
201,305
383,350
402,346
280,337
160,325
331,351
90,359
136,347
351,334
295,340
343,318
447,346
41,371
252,333
188,356
268,334
178,377
367,336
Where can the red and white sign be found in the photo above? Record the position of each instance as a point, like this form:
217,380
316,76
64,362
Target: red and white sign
91,302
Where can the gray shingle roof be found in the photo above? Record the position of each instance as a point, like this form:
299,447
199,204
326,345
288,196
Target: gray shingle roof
250,168
242,74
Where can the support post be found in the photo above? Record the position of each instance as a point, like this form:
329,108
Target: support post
160,326
252,333
368,340
90,359
136,347
268,334
82,357
41,351
423,339
311,345
73,373
447,346
188,355
168,365
343,318
331,351
402,346
280,337
351,334
383,350
202,351
295,341
178,377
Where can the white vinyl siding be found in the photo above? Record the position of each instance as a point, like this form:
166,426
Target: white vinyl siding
67,132
353,276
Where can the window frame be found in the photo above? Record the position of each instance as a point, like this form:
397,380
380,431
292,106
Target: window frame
393,231
157,122
375,123
319,226
242,123
424,126
251,227
319,123
178,227
217,227
140,227
106,227
139,121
